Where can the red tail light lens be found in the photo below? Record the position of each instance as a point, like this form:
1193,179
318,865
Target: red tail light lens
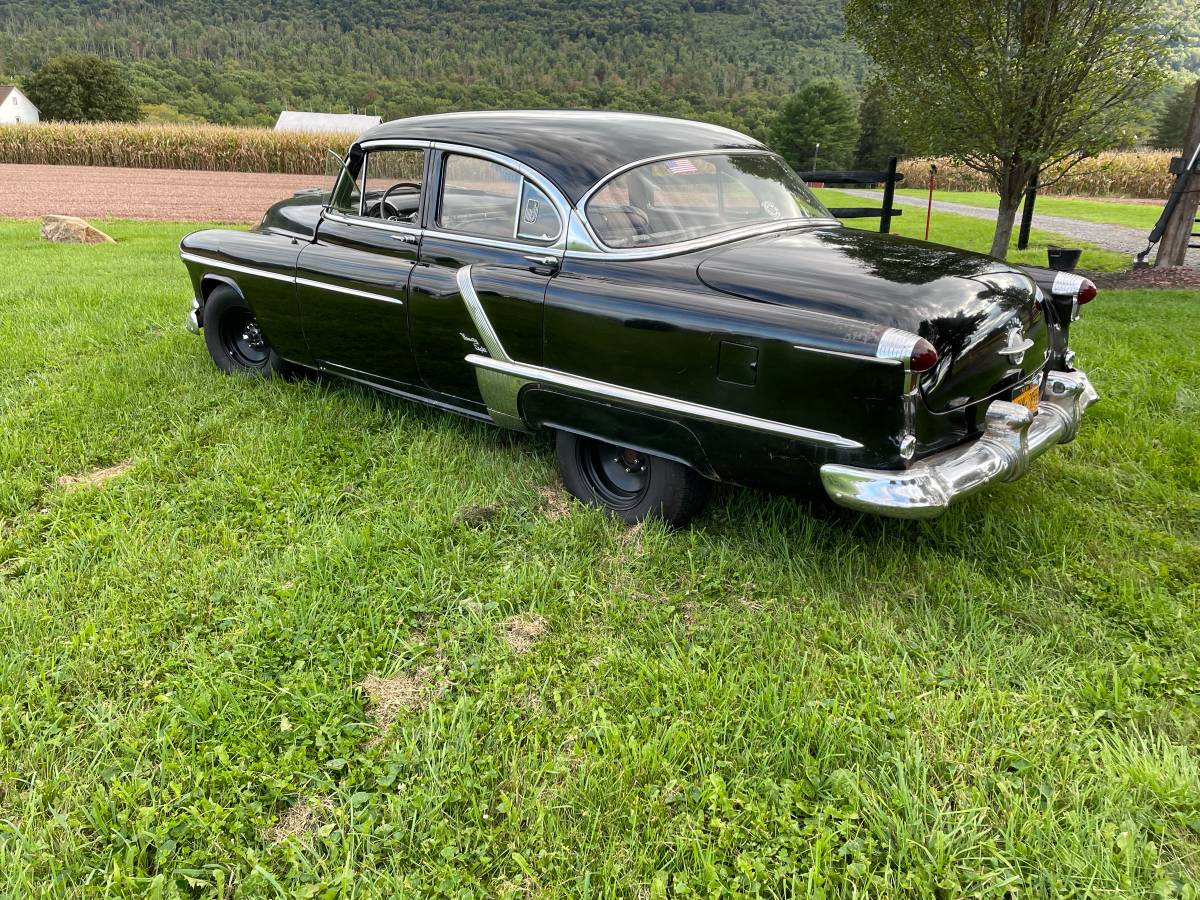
1087,292
923,356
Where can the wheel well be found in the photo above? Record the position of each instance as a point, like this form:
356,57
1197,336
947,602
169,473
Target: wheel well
209,283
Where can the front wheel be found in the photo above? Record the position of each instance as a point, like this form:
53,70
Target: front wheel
629,484
235,340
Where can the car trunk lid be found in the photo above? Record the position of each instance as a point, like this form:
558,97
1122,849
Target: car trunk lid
975,310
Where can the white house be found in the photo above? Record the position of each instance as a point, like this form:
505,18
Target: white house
15,106
341,123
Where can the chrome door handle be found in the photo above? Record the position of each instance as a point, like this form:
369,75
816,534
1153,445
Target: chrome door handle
405,238
543,262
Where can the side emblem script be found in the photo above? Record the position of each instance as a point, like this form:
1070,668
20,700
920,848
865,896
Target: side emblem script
1016,345
474,342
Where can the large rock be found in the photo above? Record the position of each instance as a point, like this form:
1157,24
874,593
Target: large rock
72,230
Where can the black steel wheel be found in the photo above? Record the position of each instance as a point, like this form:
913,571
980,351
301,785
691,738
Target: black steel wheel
629,484
235,340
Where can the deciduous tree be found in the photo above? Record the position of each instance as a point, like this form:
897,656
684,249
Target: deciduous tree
79,87
1013,87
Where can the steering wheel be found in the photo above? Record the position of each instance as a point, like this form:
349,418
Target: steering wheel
383,201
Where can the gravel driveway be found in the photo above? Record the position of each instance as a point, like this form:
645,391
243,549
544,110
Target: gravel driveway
169,195
1120,238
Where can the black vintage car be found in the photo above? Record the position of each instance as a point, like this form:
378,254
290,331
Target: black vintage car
667,297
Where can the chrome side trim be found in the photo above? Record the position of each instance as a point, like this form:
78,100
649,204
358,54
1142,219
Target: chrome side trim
857,357
538,374
487,334
307,282
500,390
234,267
341,289
1012,438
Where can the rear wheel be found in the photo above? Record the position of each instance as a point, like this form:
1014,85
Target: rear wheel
629,484
235,340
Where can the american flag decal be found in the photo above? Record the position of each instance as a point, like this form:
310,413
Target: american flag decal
680,166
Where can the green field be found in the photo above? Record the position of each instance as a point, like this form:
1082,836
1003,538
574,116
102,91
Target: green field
976,234
1108,212
784,700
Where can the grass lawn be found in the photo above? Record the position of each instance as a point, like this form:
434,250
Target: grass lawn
1108,212
783,700
976,234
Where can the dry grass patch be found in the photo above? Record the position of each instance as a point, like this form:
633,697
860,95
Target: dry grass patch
94,477
303,817
556,503
522,633
404,691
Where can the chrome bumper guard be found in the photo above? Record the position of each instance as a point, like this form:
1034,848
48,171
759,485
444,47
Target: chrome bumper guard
1012,437
193,319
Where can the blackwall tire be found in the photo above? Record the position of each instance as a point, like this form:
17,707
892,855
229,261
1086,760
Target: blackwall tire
234,340
628,484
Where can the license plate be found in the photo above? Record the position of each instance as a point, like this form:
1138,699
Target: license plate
1028,398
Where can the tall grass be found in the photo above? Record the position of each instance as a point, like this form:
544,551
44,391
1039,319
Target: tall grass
1141,173
205,147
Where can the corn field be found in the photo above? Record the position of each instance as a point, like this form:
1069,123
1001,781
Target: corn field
217,148
1130,173
213,148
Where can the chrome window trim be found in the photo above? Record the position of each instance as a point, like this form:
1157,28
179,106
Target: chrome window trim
553,194
714,240
659,402
378,224
541,249
234,267
378,144
659,250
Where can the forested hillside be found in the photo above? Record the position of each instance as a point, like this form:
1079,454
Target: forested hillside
242,60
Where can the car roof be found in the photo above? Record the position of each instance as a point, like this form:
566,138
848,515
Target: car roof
573,148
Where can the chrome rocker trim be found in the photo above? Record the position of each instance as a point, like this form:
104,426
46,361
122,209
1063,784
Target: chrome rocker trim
1012,438
537,374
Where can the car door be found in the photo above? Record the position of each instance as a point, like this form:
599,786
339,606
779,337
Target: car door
495,228
352,281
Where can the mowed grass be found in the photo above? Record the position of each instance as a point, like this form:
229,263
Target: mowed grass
783,700
976,234
1132,214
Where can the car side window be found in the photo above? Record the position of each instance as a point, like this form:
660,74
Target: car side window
391,184
485,198
346,196
539,219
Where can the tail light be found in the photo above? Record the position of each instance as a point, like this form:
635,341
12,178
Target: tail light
1068,284
917,354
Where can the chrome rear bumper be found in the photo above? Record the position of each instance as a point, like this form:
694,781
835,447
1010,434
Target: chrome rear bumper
1012,437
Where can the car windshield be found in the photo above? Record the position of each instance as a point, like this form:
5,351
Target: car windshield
695,196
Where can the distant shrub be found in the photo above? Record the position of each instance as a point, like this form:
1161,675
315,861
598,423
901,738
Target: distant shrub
212,148
1142,173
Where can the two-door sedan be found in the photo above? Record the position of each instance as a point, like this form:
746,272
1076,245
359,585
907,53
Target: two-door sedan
667,297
